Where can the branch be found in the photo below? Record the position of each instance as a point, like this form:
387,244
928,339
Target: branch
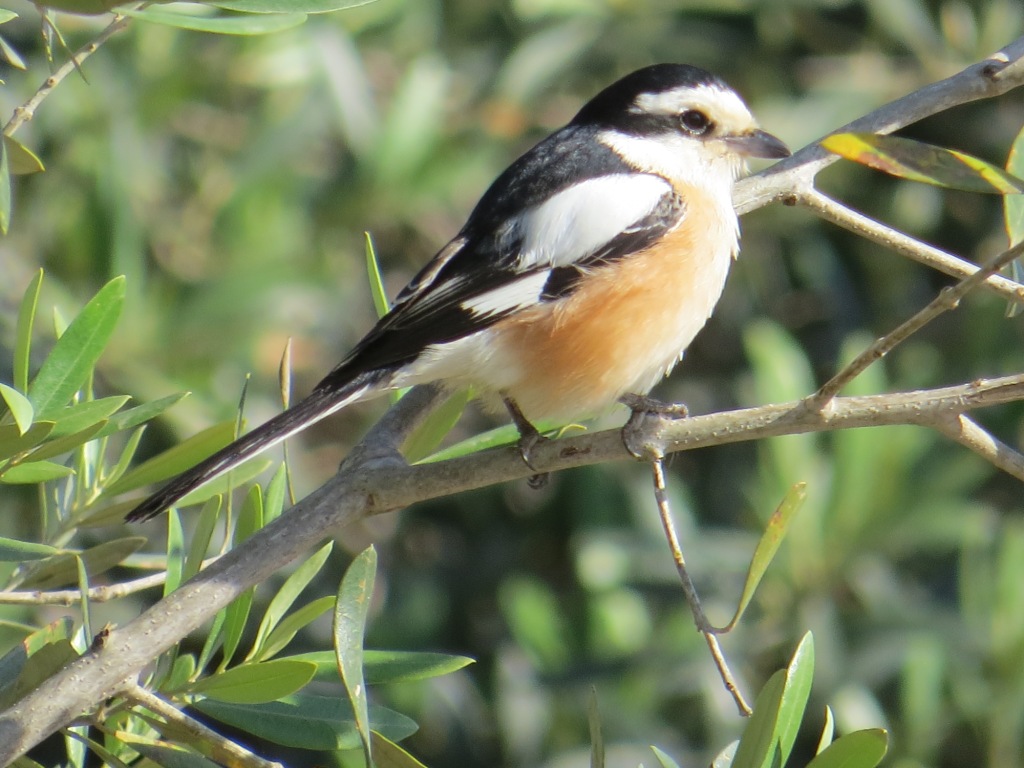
360,492
27,111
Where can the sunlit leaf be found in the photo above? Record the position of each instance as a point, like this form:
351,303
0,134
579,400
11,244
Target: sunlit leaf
5,190
1013,211
828,731
19,406
768,545
390,666
73,357
140,414
14,551
438,423
664,759
13,442
760,740
285,6
860,749
62,569
79,416
23,333
64,444
257,683
799,675
242,24
916,161
22,160
35,472
387,754
290,625
353,605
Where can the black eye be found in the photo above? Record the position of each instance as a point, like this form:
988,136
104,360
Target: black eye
696,122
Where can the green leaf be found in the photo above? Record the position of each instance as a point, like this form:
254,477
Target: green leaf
140,414
664,760
73,357
1013,211
6,15
176,460
64,444
40,665
377,292
84,602
387,754
62,569
83,7
390,666
860,749
257,683
221,25
350,612
79,416
307,722
286,596
428,435
36,472
175,552
22,159
828,731
12,662
201,536
759,742
23,333
19,406
182,671
14,551
273,501
799,675
767,546
5,190
292,623
916,161
12,442
285,6
235,617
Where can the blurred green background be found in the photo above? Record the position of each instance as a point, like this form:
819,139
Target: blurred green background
231,179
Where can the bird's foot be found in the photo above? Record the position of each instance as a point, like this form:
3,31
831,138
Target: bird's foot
644,410
529,439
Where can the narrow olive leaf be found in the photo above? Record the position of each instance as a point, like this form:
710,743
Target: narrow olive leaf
724,758
381,667
493,438
221,25
12,442
768,545
40,665
108,758
78,416
387,754
250,520
353,606
6,15
290,626
284,6
1013,210
11,56
14,551
377,292
64,444
916,161
36,472
175,552
273,503
73,357
201,536
860,749
828,731
799,675
214,639
175,460
5,190
62,569
22,159
182,671
287,595
306,721
127,454
12,662
596,737
166,754
23,332
140,414
759,742
20,407
256,683
439,422
664,760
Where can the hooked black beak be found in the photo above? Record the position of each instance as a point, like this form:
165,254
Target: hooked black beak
758,143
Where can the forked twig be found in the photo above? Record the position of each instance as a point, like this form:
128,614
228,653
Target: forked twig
690,592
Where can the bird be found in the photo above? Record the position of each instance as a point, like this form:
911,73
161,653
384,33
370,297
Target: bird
578,280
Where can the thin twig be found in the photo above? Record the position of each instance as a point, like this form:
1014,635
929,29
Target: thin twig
96,594
964,430
27,111
224,751
930,256
690,591
948,299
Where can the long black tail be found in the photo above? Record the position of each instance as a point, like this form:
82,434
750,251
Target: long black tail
322,402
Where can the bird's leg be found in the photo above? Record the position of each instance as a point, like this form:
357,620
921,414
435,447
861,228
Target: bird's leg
642,408
529,438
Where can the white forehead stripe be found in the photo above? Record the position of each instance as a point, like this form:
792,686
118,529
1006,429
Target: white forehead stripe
724,106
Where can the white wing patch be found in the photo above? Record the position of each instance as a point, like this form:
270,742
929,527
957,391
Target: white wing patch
518,294
579,220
